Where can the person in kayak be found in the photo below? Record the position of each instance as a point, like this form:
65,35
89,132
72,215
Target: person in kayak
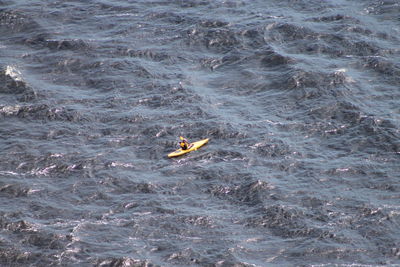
184,144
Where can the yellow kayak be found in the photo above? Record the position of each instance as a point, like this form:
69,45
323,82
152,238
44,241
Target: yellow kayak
193,146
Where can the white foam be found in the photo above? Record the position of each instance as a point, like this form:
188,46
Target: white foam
44,171
341,70
10,110
121,164
8,173
13,73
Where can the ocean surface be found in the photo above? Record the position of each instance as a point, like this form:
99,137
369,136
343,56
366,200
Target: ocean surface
300,100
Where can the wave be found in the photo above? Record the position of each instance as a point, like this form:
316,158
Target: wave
298,99
14,21
42,112
12,82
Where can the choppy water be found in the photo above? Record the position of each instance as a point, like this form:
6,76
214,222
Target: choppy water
300,100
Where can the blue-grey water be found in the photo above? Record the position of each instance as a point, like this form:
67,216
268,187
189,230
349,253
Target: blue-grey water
300,100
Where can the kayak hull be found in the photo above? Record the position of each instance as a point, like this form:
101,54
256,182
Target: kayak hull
194,146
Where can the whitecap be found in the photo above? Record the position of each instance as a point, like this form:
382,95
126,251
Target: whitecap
13,73
10,110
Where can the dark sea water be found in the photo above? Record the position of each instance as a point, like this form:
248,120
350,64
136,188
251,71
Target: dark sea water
300,100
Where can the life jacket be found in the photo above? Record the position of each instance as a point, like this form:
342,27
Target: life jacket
184,144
